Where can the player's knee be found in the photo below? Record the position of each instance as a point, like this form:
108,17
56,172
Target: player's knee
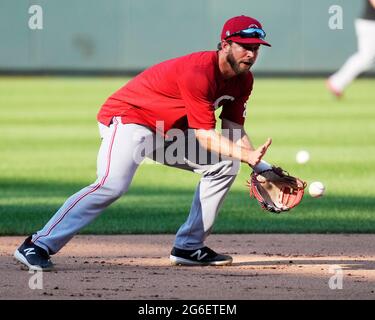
225,168
370,61
366,61
117,193
115,189
233,168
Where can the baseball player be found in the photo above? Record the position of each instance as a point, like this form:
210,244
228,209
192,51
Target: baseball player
363,59
138,121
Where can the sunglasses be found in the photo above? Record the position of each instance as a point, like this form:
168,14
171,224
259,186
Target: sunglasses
249,33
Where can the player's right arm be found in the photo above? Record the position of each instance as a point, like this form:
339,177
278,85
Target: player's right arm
198,90
214,141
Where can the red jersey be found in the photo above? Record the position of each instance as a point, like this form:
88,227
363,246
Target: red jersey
182,92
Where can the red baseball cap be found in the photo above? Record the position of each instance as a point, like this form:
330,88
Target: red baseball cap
231,30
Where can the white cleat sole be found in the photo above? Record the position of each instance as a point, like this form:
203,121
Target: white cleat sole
177,261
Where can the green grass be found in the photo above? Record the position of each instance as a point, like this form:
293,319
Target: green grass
49,140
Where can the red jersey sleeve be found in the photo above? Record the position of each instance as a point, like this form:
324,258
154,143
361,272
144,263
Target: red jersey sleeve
196,90
235,110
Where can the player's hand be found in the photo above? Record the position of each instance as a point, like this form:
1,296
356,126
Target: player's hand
280,177
257,155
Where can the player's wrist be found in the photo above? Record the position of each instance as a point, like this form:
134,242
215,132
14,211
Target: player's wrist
262,166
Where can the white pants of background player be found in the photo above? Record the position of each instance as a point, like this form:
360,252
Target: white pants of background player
362,60
116,166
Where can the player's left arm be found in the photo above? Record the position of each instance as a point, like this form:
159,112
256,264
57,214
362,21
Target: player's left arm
239,136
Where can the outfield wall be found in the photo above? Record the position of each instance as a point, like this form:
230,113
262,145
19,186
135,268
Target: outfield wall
130,35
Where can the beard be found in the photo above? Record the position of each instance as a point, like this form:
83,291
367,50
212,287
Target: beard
238,67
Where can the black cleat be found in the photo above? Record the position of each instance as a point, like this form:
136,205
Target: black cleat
34,257
198,257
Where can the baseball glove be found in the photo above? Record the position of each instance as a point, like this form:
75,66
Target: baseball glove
276,190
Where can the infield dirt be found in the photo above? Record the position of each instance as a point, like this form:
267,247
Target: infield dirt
265,267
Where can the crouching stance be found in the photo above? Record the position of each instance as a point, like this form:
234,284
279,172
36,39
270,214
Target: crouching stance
138,121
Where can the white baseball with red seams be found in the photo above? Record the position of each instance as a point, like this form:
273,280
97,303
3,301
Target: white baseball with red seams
302,156
316,189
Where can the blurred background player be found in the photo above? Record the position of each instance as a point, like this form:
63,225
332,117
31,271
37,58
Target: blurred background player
363,59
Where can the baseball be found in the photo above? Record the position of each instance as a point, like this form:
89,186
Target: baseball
302,156
316,189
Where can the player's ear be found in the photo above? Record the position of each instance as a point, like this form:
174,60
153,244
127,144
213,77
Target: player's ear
225,45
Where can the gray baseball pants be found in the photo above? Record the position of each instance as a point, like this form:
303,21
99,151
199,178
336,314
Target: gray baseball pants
123,148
